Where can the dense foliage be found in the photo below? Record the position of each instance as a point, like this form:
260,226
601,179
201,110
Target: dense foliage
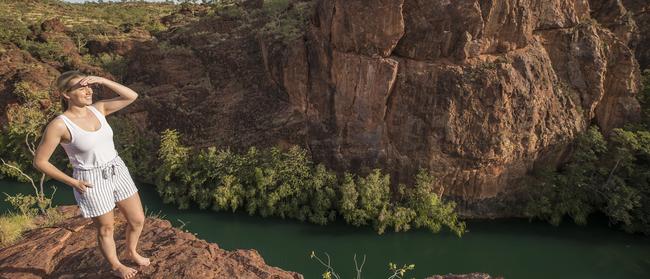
607,174
23,130
273,182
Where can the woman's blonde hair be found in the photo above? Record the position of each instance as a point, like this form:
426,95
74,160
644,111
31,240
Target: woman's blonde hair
62,84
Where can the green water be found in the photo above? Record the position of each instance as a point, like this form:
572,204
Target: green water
510,248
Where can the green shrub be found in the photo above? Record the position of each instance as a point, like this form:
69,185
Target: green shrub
115,64
48,50
24,204
364,199
26,93
13,30
170,175
430,211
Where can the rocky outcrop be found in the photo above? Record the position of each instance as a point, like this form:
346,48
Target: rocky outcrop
477,91
69,250
17,65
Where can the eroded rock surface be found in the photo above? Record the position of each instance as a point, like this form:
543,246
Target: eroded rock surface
69,250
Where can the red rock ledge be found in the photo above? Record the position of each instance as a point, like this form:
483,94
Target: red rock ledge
69,250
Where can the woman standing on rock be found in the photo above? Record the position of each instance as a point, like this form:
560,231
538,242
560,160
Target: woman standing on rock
100,178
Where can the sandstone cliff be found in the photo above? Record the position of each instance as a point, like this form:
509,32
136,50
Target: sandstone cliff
477,91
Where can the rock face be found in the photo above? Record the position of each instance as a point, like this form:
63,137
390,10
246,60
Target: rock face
638,13
477,91
483,90
69,250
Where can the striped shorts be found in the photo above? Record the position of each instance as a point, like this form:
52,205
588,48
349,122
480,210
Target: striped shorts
110,182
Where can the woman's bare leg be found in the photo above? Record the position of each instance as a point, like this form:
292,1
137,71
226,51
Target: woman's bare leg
105,225
131,207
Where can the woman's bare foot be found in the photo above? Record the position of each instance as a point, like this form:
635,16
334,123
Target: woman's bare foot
124,271
140,260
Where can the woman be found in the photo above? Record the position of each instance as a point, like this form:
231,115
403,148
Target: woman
100,178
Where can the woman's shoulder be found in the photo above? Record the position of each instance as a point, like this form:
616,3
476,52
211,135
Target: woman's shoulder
57,120
56,123
57,128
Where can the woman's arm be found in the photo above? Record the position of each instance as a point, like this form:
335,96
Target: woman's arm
127,96
49,141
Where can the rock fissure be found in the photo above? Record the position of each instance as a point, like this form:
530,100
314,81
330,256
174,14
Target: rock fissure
554,28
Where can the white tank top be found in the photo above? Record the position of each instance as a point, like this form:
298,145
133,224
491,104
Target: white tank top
86,149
